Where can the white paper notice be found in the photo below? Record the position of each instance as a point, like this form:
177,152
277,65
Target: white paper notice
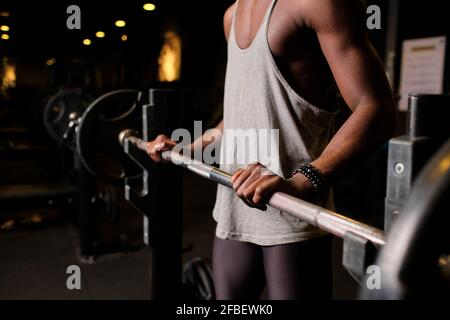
423,63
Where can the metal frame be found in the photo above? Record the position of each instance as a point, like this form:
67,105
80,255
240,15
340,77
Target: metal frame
157,193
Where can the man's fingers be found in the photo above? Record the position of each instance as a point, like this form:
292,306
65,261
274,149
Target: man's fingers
241,179
171,143
252,177
254,192
236,175
249,172
246,181
165,146
151,151
161,144
264,190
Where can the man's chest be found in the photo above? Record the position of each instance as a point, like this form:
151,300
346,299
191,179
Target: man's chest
288,37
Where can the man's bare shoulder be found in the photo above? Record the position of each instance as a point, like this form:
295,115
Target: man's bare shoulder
230,9
227,18
315,13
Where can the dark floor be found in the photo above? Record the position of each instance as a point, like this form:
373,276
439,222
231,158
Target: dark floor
33,262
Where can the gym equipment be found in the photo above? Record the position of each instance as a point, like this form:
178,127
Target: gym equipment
427,130
415,244
360,240
21,196
324,219
62,114
197,280
150,190
102,155
93,137
98,130
414,260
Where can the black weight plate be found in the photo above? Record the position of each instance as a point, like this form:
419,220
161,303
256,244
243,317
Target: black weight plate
36,111
61,109
97,136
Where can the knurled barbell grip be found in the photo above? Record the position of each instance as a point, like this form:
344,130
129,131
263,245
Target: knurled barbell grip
141,144
317,216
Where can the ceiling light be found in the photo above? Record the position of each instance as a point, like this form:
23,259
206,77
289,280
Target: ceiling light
120,23
149,7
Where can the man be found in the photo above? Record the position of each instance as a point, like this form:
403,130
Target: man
286,61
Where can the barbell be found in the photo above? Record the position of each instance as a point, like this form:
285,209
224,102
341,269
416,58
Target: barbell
315,215
423,222
415,246
406,254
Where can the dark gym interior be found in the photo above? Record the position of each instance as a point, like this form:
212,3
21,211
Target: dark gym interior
54,213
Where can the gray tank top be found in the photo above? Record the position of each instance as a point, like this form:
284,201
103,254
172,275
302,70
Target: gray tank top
258,99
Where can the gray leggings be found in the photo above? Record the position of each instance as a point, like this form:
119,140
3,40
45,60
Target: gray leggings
289,272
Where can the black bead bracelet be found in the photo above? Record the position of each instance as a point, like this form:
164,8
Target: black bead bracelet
315,177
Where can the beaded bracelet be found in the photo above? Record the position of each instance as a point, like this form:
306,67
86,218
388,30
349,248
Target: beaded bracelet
315,177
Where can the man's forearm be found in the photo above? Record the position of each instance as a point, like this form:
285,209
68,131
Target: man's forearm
206,139
365,131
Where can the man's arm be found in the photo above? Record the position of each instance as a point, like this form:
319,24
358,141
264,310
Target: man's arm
227,19
206,139
360,77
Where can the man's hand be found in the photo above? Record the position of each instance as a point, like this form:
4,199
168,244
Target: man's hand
256,184
159,145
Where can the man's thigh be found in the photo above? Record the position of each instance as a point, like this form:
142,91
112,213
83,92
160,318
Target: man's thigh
238,270
299,270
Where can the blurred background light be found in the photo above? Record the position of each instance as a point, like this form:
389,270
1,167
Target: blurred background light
170,58
120,23
50,62
149,7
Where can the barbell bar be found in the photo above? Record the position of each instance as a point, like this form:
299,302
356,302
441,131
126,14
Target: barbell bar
324,219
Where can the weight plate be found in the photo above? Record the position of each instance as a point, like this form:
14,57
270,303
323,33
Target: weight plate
97,136
62,112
